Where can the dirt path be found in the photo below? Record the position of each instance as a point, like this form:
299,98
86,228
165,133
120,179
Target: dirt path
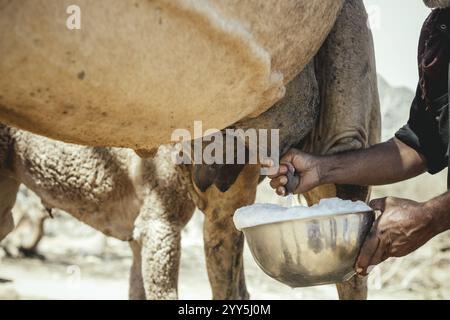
81,263
92,277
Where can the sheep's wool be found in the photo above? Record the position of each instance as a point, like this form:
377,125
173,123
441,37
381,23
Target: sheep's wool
262,213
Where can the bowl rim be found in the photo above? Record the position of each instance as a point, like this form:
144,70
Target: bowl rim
318,217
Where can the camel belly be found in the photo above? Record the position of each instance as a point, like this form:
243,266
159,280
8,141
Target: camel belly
137,70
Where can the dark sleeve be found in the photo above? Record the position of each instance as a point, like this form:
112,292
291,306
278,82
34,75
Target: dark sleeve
422,134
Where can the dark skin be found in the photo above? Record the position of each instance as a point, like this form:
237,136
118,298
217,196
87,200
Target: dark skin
404,225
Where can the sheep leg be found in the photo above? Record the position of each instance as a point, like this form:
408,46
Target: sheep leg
159,227
223,243
8,191
161,251
30,249
136,291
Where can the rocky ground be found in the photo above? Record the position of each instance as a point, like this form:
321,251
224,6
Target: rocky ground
78,262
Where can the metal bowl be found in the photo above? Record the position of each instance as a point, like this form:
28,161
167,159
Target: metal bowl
310,251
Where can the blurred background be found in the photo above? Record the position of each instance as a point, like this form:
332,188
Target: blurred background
73,261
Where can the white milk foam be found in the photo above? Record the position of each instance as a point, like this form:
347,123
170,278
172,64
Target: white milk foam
265,213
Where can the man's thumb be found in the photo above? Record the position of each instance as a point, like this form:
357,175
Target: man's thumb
299,160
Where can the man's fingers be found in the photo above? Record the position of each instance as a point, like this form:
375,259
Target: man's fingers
289,156
378,204
282,170
274,171
281,191
379,255
303,188
278,182
368,250
299,160
267,162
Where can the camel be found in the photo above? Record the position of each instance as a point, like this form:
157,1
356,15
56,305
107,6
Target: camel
339,112
331,106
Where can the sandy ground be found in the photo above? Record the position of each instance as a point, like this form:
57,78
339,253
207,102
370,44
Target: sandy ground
80,263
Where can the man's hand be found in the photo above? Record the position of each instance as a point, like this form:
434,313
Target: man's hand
306,166
384,163
403,226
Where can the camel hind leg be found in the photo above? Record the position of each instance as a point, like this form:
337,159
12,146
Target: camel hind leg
350,107
356,287
136,290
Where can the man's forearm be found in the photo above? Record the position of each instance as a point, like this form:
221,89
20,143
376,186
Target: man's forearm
384,163
439,210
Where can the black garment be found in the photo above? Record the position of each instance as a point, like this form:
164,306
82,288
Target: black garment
427,133
434,55
427,130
